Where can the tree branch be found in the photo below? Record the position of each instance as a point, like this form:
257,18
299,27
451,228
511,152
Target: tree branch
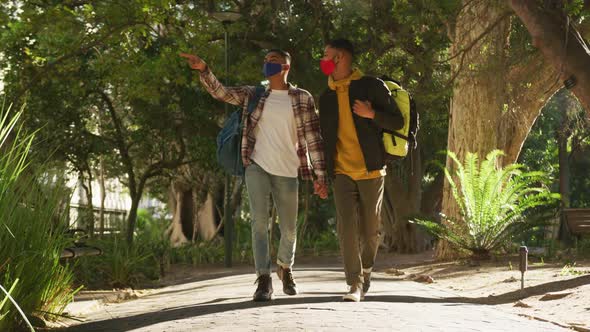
570,57
158,167
120,142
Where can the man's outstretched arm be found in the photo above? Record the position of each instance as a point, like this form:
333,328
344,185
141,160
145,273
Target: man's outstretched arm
231,95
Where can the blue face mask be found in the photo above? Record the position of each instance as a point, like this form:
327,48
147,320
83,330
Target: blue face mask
270,69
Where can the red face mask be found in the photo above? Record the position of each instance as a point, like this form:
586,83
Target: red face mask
327,66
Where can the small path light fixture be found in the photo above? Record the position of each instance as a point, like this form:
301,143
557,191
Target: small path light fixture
523,265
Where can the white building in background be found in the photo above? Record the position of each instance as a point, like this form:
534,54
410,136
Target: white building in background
116,206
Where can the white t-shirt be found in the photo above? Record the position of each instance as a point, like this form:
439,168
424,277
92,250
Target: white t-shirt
276,136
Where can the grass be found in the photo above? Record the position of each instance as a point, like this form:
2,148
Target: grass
570,269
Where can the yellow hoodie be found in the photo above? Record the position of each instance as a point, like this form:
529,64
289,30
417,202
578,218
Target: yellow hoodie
349,159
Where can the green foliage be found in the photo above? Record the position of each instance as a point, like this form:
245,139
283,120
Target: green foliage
72,58
152,236
123,266
119,265
583,247
570,269
561,118
318,244
198,254
243,239
213,251
495,203
32,230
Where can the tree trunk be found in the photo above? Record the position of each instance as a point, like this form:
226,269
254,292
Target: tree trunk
187,213
103,195
195,218
87,212
205,216
388,215
563,137
402,200
193,211
561,44
564,169
176,235
495,102
89,206
564,177
132,218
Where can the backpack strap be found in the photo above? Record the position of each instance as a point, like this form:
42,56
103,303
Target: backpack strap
253,102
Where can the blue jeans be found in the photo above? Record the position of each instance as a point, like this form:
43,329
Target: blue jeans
284,190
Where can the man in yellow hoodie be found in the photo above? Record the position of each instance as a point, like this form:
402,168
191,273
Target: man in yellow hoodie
362,107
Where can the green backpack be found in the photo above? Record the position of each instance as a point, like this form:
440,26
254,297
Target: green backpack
397,143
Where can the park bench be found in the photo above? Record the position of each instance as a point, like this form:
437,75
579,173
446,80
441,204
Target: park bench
578,221
79,249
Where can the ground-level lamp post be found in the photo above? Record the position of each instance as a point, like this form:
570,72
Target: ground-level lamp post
226,18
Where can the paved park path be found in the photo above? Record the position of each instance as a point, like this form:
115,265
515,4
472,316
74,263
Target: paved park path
222,302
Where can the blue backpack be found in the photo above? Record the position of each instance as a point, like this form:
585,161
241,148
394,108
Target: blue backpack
229,139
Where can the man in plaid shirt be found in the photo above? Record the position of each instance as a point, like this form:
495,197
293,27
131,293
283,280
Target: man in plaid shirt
279,138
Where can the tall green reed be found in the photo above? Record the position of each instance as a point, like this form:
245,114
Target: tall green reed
33,211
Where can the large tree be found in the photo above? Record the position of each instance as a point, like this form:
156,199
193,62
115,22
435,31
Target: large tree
500,84
554,31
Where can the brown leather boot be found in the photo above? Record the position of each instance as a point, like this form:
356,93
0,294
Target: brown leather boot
264,290
286,276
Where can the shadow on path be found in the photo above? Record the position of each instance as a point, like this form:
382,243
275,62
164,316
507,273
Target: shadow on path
554,286
541,289
197,310
214,307
217,306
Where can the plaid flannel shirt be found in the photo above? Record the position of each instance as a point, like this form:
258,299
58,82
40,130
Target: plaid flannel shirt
310,143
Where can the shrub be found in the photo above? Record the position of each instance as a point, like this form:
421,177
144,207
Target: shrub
119,266
495,203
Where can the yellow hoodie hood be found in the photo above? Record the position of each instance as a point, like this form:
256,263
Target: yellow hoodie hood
345,82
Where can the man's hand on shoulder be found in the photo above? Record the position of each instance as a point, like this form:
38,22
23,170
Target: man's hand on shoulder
363,109
194,61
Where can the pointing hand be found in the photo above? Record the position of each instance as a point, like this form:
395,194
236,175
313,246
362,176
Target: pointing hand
194,61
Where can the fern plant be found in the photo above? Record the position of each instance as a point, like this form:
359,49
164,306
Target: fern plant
495,203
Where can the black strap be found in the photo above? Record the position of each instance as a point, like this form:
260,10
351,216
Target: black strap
395,133
400,135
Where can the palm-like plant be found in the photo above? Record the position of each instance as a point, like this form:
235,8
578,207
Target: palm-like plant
495,203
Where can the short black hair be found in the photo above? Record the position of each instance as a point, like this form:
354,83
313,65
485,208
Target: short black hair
342,44
282,53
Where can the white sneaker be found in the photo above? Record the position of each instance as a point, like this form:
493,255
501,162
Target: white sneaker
354,294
